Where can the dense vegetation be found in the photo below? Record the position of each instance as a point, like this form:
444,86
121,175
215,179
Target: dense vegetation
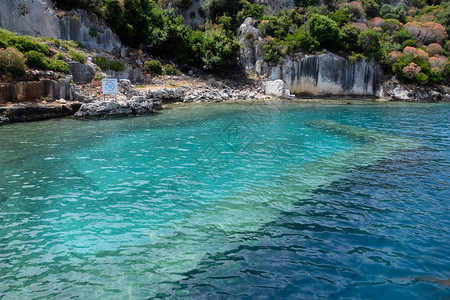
411,42
17,52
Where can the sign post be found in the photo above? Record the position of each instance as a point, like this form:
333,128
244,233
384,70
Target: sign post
109,86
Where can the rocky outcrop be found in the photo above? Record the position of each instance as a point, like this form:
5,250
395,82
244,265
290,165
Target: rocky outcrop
91,32
328,74
276,88
38,18
23,91
325,74
393,90
81,73
35,18
132,74
194,15
121,106
251,54
36,112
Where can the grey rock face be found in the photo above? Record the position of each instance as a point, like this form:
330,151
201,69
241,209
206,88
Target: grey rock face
90,32
102,108
134,75
35,18
23,91
81,73
135,105
38,18
328,74
251,54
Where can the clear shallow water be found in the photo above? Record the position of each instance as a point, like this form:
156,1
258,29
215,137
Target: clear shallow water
229,201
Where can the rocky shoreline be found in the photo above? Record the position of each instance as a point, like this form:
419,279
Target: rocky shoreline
86,103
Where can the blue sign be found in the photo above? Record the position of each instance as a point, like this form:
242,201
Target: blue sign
109,86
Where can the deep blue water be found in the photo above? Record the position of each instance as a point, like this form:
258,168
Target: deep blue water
229,202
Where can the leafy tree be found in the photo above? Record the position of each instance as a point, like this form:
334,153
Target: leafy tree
393,12
324,30
443,16
254,11
341,16
370,44
350,35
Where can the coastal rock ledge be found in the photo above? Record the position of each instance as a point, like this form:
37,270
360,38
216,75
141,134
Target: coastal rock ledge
122,106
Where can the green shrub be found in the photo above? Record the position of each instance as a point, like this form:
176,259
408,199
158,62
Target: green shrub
153,66
402,36
393,12
254,11
170,69
324,30
350,35
57,66
371,8
60,56
76,56
35,59
274,52
116,65
422,78
341,16
12,61
105,64
21,43
217,8
218,50
370,44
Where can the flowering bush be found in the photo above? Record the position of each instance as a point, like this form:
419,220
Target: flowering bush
434,48
422,55
438,63
394,56
411,70
428,32
410,51
360,26
376,22
356,8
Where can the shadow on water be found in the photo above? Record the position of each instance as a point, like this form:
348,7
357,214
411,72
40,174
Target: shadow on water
342,241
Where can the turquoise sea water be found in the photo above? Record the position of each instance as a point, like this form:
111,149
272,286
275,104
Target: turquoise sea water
229,201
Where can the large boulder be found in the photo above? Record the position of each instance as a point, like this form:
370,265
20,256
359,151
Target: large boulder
276,88
81,73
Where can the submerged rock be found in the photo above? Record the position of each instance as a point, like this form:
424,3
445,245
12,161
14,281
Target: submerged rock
36,112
